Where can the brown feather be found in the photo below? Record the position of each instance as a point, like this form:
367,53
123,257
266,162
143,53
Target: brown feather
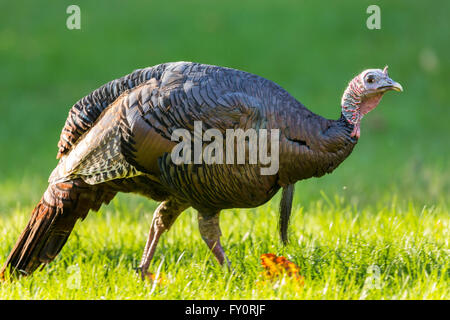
51,223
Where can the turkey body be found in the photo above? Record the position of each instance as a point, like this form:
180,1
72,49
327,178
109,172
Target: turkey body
131,139
118,139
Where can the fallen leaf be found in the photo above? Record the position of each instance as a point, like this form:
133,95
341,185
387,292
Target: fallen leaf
278,268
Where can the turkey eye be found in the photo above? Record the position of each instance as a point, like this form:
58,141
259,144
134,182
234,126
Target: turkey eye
370,78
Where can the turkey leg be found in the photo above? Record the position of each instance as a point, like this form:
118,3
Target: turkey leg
210,232
163,218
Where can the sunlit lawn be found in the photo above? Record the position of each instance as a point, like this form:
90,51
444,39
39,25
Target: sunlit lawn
376,228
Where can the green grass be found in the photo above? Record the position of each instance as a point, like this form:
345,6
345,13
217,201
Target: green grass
385,206
334,243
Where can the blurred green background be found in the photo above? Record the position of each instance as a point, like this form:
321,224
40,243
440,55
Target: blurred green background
310,48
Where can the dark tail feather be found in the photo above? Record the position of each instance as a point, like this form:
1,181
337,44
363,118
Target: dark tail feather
50,225
285,211
41,240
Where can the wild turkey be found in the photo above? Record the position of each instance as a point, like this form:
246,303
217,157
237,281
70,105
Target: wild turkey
118,139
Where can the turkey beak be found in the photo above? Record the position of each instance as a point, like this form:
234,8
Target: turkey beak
396,86
391,85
